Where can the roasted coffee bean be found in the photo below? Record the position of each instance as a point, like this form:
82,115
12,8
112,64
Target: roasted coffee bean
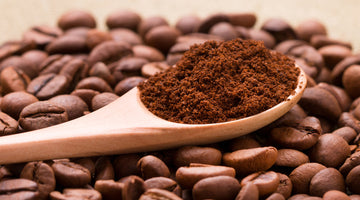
69,174
127,84
210,21
94,83
147,52
290,158
75,107
154,194
301,176
249,191
126,165
285,186
266,182
126,35
347,119
86,95
330,150
42,174
76,18
152,68
123,19
42,35
276,196
280,29
333,54
340,94
186,177
20,64
4,173
350,163
267,38
48,85
54,63
334,195
104,169
10,48
109,189
151,166
86,162
133,188
8,125
326,180
162,37
128,67
243,142
352,180
13,80
247,161
18,189
102,71
68,44
149,23
42,114
224,30
339,69
177,51
76,193
94,37
161,183
247,20
349,80
102,100
194,154
306,29
319,41
222,187
108,52
188,23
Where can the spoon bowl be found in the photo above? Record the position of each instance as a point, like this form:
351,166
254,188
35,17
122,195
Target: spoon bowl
126,126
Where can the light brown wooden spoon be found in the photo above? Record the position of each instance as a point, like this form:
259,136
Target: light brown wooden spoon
126,126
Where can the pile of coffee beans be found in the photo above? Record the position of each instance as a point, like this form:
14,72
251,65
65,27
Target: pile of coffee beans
56,74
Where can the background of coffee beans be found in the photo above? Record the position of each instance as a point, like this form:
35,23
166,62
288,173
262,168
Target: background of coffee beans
339,17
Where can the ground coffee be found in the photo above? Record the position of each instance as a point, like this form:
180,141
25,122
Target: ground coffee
220,81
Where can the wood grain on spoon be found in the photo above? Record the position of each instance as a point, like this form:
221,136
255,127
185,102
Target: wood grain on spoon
126,126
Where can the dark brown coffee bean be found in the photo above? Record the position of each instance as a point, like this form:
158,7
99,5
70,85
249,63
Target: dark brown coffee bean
335,194
330,150
339,93
247,161
42,174
127,84
267,38
147,52
225,30
162,37
349,80
188,23
347,119
247,20
248,191
193,154
350,163
161,183
102,100
319,41
67,44
13,80
94,37
326,180
86,162
292,118
276,196
243,142
36,57
279,28
333,54
42,35
301,176
266,182
285,186
76,18
102,71
310,56
86,95
352,180
222,187
76,194
347,133
153,68
108,52
299,197
104,169
8,125
75,107
210,21
69,174
123,19
18,189
10,48
339,69
126,35
48,85
154,194
109,189
150,22
306,29
94,83
151,166
41,114
54,63
126,165
291,158
129,67
186,177
21,64
177,51
133,188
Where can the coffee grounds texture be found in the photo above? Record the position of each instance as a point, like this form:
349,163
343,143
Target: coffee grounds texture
219,82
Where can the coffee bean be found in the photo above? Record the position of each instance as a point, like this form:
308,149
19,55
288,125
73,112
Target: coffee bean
78,31
222,187
247,161
152,68
54,63
126,35
339,69
13,80
42,35
154,194
147,52
335,194
301,176
104,169
162,37
340,94
86,162
127,84
133,188
350,163
67,44
306,29
186,177
8,125
266,182
102,71
109,189
290,158
193,154
69,174
10,48
149,23
85,94
249,191
326,180
151,166
41,114
126,165
347,119
75,107
102,100
76,193
48,85
285,186
94,83
267,38
333,54
188,23
123,19
177,51
20,64
352,180
225,30
243,142
276,196
95,37
128,67
350,77
319,41
210,21
42,174
76,18
161,183
18,189
247,20
330,150
279,28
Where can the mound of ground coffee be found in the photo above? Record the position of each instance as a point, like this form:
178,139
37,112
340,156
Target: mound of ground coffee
221,81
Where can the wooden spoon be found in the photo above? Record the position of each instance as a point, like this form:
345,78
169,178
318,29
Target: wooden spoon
126,126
